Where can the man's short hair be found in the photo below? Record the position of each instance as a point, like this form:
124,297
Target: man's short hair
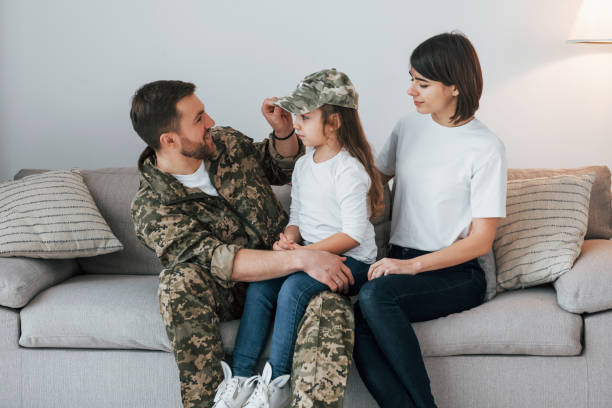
450,58
154,109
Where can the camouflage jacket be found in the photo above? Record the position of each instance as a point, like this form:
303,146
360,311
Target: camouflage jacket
186,225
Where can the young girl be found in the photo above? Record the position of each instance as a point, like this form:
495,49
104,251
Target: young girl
450,191
335,191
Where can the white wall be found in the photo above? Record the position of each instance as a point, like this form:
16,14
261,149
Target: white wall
69,68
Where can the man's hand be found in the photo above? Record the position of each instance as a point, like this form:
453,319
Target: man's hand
327,268
280,120
389,266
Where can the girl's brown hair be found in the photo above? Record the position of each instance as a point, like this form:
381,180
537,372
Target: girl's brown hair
352,137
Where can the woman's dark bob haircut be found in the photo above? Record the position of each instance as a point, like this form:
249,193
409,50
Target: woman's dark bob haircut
450,58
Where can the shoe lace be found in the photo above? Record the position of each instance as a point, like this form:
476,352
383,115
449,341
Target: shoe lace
259,397
227,389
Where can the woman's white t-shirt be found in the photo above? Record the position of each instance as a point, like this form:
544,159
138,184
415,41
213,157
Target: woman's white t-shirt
444,177
331,197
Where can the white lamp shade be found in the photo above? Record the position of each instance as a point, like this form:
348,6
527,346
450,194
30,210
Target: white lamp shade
594,23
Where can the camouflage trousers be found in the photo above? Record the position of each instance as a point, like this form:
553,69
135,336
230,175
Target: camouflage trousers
193,305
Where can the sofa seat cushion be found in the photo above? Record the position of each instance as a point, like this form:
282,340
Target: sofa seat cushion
96,311
121,312
103,311
526,321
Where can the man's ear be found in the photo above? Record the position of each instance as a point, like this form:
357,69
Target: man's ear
169,140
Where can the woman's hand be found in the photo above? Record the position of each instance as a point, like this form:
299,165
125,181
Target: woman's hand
389,266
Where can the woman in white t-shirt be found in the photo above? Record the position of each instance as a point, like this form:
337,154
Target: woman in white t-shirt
449,175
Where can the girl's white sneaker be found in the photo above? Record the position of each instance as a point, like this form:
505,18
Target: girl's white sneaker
233,391
269,393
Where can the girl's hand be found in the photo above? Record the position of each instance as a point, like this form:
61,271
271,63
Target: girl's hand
285,244
388,266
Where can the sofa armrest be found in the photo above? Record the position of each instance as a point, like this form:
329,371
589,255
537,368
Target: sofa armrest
597,346
23,278
587,287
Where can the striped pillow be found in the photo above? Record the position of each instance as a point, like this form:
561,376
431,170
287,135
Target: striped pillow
545,224
52,215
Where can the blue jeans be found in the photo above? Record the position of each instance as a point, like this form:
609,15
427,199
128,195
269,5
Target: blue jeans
387,351
290,294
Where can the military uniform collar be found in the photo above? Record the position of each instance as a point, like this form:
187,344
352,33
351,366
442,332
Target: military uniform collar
165,185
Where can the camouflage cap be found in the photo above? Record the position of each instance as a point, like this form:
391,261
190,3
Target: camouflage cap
326,87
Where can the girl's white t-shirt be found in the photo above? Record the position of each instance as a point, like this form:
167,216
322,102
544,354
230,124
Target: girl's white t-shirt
444,177
331,197
199,179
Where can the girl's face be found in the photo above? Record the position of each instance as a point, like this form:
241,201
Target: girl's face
432,97
310,128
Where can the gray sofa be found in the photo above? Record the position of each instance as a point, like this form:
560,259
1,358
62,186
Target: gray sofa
87,332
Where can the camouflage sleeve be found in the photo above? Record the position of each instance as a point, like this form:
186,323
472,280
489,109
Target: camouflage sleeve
177,238
278,169
323,352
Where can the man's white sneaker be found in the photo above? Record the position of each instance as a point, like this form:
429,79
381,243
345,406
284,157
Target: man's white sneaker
233,391
270,393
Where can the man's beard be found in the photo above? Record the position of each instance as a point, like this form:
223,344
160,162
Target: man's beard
199,152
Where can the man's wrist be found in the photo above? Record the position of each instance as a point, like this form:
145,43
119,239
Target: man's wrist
282,135
297,260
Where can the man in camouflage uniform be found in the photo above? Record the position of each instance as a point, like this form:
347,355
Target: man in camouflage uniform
210,241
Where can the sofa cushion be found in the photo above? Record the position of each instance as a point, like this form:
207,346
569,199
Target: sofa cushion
545,224
103,311
113,190
587,287
121,312
23,278
96,311
527,321
52,215
600,211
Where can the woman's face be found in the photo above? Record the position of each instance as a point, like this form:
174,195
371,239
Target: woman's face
432,97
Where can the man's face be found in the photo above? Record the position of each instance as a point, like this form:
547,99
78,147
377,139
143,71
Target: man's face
194,128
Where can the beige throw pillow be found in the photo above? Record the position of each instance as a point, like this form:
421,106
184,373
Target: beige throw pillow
52,215
600,207
545,224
